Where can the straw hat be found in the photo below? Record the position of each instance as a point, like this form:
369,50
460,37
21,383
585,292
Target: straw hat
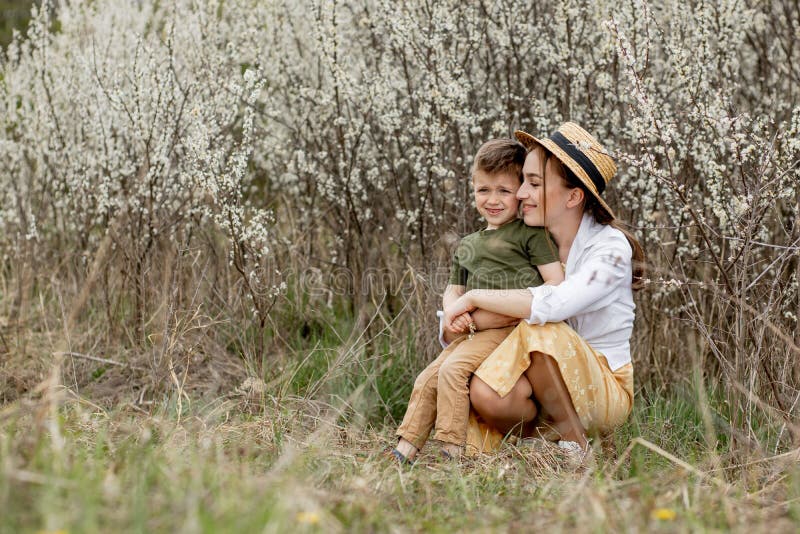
581,153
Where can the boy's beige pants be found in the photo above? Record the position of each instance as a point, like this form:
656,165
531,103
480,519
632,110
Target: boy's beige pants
441,392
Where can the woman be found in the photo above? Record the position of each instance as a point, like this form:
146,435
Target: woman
560,379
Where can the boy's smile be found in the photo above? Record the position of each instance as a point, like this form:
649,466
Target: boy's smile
495,197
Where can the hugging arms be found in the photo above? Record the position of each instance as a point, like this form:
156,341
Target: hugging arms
544,377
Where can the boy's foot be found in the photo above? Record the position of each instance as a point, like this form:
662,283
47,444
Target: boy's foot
451,451
404,452
399,457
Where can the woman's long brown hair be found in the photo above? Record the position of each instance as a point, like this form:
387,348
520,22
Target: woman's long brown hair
600,215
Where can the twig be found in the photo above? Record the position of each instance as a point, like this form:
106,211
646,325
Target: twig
672,458
98,359
794,430
36,478
93,358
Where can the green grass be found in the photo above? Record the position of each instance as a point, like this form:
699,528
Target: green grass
302,451
296,467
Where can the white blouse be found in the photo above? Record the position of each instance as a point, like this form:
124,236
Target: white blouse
595,298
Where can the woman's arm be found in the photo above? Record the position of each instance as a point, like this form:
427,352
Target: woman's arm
483,319
594,285
591,287
459,324
510,302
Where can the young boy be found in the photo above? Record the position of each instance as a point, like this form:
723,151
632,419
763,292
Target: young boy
507,254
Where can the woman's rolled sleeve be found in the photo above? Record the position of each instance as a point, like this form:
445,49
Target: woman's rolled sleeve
593,285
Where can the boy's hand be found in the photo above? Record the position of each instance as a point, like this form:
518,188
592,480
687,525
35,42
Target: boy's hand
460,307
461,323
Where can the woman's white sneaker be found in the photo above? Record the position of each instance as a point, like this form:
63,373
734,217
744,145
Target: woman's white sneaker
577,455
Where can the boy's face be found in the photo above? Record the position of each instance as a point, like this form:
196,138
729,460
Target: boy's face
495,197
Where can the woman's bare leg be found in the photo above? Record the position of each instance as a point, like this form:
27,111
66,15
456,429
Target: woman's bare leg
550,390
503,413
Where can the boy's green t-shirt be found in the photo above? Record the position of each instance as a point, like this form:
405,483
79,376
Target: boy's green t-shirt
504,258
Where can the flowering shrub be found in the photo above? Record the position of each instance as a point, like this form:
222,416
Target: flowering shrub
109,129
337,136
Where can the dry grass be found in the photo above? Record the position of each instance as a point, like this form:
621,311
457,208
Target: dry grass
301,465
120,438
258,457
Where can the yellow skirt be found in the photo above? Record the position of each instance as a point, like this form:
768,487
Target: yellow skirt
602,398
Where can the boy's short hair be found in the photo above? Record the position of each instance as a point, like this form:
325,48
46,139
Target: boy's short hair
500,156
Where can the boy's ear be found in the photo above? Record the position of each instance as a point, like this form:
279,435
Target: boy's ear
575,197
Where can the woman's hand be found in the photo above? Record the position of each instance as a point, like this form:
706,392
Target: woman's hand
463,305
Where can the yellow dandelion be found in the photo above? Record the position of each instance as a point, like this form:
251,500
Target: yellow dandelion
307,518
663,514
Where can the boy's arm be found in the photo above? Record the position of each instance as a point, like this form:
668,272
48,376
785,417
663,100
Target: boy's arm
552,273
543,255
485,319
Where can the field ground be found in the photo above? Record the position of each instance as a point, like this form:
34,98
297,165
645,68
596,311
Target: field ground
187,433
267,457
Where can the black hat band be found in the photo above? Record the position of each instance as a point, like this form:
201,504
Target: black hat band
580,158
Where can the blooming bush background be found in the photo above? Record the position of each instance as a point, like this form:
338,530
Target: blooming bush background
216,178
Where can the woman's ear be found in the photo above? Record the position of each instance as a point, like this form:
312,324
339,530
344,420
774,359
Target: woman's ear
575,197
